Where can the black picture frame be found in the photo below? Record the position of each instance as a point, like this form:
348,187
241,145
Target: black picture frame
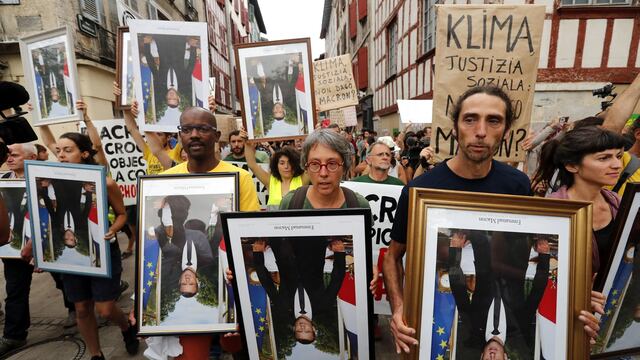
166,314
285,225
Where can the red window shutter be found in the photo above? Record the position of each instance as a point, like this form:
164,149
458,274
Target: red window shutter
363,68
354,70
353,22
362,9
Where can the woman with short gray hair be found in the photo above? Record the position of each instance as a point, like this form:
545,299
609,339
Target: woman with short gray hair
327,157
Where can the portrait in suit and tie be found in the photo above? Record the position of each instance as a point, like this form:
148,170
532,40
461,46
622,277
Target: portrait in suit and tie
497,280
276,83
301,278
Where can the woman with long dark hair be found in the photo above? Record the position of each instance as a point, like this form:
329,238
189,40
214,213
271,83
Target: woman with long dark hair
286,173
95,294
587,159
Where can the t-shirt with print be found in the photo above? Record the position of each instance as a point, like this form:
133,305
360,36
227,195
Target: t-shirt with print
501,179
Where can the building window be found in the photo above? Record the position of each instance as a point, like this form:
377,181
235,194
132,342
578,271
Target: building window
92,10
392,48
594,2
155,13
428,26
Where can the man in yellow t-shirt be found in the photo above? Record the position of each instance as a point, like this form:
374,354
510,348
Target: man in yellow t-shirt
154,166
198,135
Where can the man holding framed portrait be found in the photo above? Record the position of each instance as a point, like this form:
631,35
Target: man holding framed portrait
198,135
481,119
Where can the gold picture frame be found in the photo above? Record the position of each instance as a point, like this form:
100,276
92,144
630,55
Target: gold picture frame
433,211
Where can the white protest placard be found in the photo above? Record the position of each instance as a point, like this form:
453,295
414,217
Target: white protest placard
383,200
337,117
263,191
480,45
350,116
334,86
415,111
123,155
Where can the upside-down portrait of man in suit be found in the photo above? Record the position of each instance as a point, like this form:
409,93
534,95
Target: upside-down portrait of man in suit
184,250
69,204
301,299
171,59
499,317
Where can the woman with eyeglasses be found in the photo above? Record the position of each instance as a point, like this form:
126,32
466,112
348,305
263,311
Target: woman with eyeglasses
327,157
285,173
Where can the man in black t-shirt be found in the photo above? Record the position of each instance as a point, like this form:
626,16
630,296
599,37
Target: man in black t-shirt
481,118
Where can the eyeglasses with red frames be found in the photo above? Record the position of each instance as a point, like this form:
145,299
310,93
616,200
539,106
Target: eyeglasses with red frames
315,166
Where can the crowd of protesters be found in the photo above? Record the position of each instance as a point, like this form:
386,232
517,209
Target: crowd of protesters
589,160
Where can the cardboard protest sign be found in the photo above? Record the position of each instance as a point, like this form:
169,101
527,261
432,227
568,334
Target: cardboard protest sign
125,158
263,191
344,117
226,124
383,200
334,84
486,45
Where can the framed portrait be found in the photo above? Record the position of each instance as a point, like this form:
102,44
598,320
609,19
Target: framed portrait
301,286
620,324
277,96
68,212
124,69
50,72
170,68
179,268
497,274
14,194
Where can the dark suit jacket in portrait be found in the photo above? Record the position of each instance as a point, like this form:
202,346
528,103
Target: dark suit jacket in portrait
492,281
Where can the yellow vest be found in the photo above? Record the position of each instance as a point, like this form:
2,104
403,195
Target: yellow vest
275,189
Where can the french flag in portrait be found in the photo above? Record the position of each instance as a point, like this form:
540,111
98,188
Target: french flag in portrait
67,84
347,304
196,84
546,318
301,103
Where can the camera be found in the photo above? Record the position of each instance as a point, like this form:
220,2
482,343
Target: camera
603,92
13,128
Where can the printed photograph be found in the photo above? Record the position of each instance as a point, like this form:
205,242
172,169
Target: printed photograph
124,69
276,91
69,222
51,72
170,60
14,194
180,272
302,296
67,208
496,295
302,290
620,324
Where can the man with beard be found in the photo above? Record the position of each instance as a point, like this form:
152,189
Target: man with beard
236,141
482,117
379,160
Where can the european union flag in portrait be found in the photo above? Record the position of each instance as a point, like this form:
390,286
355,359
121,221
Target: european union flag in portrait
617,289
443,311
259,310
150,266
